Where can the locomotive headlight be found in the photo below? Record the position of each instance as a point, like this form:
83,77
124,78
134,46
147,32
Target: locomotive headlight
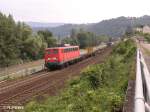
49,59
54,58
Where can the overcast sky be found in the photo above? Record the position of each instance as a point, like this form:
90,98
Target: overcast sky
73,11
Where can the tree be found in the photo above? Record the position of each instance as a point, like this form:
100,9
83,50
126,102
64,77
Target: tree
8,40
71,41
18,42
48,37
87,39
35,47
73,33
129,31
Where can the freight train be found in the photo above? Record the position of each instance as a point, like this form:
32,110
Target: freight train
59,57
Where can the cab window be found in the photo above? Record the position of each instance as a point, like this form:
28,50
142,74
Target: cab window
55,51
63,50
48,52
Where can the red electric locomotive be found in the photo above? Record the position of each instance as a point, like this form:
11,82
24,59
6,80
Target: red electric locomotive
58,56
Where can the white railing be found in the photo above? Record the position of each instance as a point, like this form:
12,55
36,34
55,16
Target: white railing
142,88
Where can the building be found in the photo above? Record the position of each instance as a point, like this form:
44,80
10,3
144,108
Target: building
146,29
139,29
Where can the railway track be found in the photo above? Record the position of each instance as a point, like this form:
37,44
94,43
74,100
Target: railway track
22,90
7,83
25,95
28,90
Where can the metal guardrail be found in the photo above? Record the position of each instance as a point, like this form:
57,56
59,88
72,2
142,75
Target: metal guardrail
142,88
